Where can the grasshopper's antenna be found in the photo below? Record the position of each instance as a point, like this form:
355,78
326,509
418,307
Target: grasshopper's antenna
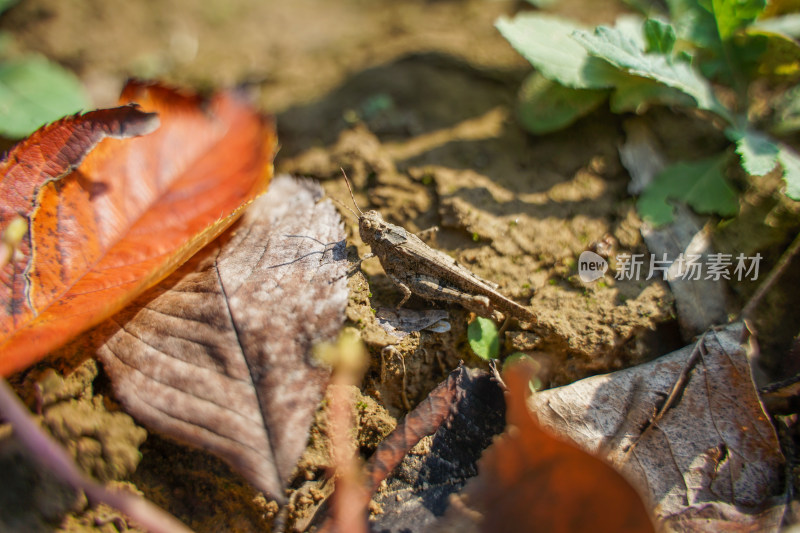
345,206
347,181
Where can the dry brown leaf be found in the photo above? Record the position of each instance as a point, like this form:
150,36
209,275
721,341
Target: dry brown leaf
218,355
463,413
700,303
530,480
711,460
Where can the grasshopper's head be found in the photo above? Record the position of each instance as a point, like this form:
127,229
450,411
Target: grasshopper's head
371,226
377,232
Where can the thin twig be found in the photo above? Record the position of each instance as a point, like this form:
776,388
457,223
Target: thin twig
50,454
766,285
675,391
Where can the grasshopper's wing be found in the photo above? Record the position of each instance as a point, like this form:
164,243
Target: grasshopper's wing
439,264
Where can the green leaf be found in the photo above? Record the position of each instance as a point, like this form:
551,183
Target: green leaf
545,41
693,23
730,15
546,106
541,4
758,153
700,184
7,4
660,36
33,92
791,171
483,338
632,27
614,47
636,94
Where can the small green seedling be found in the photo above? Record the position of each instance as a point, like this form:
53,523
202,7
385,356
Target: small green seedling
484,338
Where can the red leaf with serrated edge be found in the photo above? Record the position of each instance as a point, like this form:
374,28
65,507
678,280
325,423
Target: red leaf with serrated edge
132,211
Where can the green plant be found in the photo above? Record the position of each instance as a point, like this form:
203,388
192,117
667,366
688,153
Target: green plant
484,338
657,60
34,90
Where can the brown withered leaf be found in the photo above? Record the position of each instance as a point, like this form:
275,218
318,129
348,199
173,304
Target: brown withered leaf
700,303
530,480
465,412
709,459
218,355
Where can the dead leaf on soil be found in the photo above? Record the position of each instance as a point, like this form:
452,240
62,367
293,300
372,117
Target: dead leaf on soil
530,480
700,303
132,211
465,412
218,355
712,461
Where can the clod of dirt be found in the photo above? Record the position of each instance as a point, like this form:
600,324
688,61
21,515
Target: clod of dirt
104,444
373,423
201,490
102,518
357,150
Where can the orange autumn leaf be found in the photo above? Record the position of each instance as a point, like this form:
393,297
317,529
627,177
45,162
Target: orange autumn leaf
108,221
529,480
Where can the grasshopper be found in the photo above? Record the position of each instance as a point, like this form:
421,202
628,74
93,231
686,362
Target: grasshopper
418,269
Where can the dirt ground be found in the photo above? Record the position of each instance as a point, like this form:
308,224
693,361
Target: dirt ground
415,99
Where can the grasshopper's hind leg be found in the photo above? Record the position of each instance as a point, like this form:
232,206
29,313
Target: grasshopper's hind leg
433,289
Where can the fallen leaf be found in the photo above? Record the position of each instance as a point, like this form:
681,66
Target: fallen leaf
711,459
641,154
463,414
700,303
530,480
133,211
218,355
